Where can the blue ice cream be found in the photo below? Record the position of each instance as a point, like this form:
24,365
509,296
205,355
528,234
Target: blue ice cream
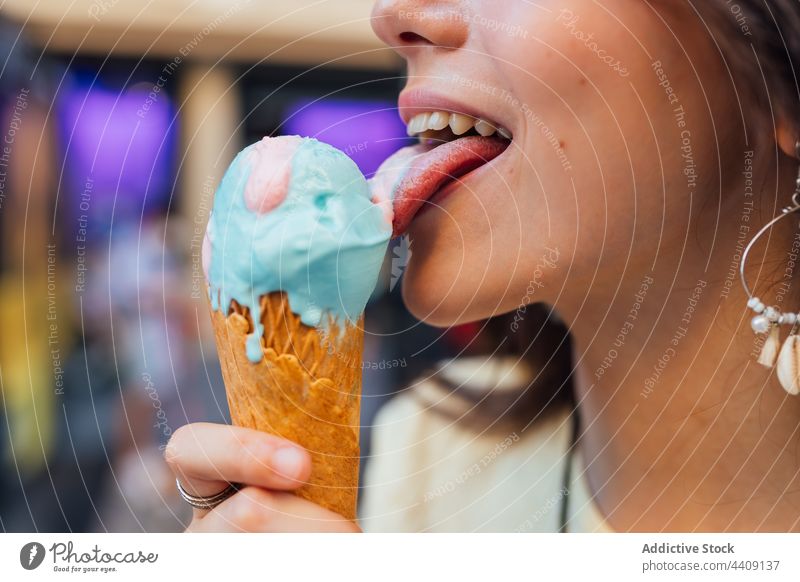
296,215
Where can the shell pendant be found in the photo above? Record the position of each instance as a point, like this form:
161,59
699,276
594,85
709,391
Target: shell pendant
769,351
788,365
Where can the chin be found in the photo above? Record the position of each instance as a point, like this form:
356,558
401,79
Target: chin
437,284
451,279
437,309
470,259
442,288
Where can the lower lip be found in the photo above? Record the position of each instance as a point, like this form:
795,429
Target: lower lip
435,201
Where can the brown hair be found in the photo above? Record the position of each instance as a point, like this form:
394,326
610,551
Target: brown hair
532,338
758,42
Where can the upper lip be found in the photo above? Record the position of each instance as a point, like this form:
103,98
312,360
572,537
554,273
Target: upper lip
413,101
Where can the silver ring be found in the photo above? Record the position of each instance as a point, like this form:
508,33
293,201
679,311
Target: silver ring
210,501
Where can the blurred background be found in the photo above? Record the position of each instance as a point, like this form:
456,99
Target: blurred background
118,121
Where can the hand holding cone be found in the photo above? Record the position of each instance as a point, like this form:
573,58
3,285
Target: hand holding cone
306,388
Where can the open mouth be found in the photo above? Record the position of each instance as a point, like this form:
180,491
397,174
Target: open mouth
451,146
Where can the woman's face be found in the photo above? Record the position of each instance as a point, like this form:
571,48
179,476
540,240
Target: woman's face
602,100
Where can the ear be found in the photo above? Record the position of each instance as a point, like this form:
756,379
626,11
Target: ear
787,138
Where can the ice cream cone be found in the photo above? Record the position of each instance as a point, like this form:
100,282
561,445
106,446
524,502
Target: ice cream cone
306,388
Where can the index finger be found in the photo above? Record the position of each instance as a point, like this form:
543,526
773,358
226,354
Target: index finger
206,457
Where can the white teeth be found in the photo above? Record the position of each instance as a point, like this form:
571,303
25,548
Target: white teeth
484,128
438,120
418,123
459,124
422,122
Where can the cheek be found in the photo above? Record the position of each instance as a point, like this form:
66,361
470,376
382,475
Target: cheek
591,111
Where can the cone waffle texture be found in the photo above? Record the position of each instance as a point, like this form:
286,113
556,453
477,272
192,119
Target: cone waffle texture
307,389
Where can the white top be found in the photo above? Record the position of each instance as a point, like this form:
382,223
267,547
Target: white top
429,472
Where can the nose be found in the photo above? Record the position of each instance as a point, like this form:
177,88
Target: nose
409,26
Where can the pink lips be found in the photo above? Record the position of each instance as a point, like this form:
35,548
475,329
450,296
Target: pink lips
419,172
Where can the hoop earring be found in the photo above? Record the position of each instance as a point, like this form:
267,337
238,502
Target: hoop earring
768,319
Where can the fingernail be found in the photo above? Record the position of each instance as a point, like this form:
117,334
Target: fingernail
288,461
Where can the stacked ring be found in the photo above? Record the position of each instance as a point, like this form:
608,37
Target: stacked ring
209,502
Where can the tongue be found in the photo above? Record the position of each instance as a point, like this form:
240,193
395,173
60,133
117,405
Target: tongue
418,172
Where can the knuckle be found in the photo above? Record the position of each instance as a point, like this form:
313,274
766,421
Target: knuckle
252,509
243,453
253,454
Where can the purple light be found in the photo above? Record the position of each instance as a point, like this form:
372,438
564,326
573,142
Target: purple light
125,150
367,131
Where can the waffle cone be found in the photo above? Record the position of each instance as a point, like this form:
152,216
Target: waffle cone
306,388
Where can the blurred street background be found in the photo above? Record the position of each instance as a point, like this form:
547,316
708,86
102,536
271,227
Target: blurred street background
118,121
